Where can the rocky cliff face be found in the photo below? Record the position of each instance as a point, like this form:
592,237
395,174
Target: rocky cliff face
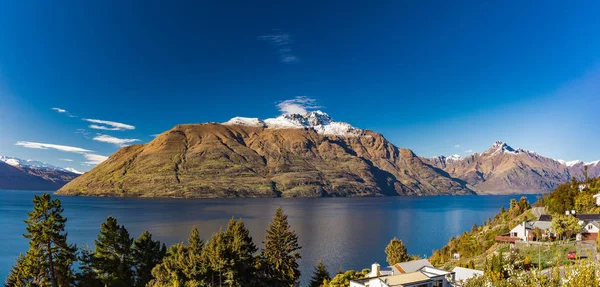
502,169
253,158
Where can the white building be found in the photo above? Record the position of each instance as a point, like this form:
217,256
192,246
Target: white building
417,273
461,275
597,197
523,230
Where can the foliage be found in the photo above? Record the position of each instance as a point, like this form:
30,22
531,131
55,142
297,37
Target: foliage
342,279
320,275
279,258
565,224
49,258
112,260
483,238
182,265
146,253
396,252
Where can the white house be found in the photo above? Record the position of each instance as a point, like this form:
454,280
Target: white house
523,230
589,231
461,275
417,273
597,197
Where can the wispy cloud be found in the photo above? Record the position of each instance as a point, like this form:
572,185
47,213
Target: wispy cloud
298,105
63,111
282,42
83,132
154,135
114,140
66,159
94,159
108,125
469,151
457,146
46,146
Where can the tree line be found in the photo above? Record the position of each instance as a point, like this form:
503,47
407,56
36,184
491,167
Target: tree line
228,258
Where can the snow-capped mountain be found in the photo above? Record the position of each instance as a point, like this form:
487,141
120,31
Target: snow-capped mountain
503,169
16,173
317,120
34,164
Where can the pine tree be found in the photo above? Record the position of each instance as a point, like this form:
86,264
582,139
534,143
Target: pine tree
112,260
87,276
320,274
396,252
182,265
49,258
147,253
281,253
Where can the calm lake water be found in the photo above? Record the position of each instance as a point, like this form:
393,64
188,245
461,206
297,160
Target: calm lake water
347,233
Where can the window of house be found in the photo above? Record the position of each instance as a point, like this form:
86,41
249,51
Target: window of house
438,283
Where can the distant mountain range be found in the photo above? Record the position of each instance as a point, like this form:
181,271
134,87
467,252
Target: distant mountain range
308,155
21,174
502,169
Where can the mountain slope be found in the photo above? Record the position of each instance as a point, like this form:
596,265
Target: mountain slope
502,169
31,175
298,155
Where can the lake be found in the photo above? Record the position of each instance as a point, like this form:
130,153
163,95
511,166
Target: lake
347,233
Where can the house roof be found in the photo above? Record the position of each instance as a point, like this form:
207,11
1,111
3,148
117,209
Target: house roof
433,272
582,217
462,274
412,266
404,279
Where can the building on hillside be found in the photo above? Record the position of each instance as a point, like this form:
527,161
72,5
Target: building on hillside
524,231
461,275
417,273
589,231
597,197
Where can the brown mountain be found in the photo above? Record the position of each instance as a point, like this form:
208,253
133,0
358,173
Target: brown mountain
28,178
502,170
252,160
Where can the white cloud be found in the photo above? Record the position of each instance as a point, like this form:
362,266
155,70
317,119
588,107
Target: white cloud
63,111
154,135
282,42
457,146
94,159
109,125
297,105
66,159
113,140
65,148
469,151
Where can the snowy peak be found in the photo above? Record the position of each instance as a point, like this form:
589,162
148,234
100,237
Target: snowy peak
500,147
570,163
33,164
317,120
453,158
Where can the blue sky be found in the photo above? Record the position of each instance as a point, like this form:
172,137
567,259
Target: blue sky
439,78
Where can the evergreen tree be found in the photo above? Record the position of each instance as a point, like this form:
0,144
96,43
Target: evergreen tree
112,260
87,277
279,257
320,275
147,253
49,258
396,252
182,265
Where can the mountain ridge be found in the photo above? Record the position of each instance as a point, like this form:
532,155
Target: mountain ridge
503,169
19,174
249,160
